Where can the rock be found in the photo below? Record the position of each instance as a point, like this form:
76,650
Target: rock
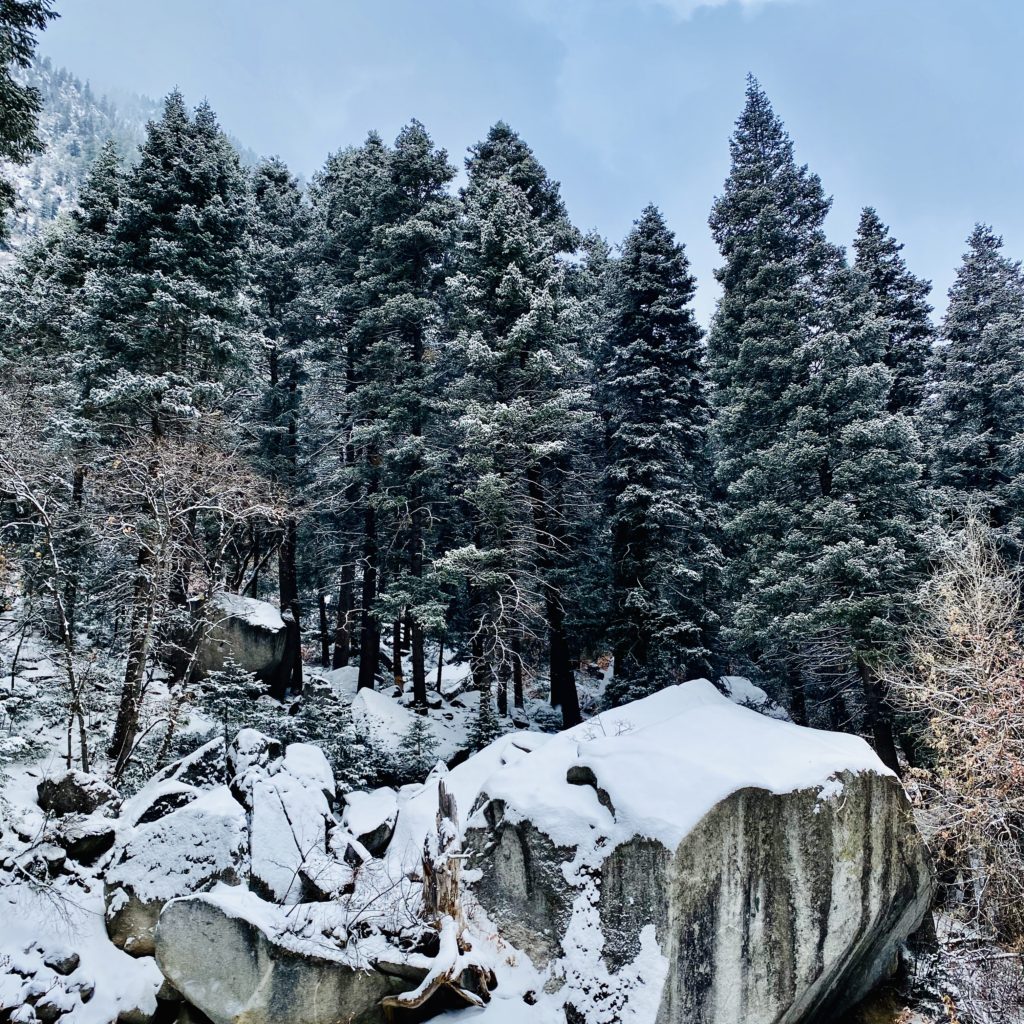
204,768
85,838
250,632
63,961
250,757
220,955
179,854
157,799
76,792
752,871
370,817
289,812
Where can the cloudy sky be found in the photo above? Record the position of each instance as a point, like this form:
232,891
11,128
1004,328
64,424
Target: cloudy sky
912,106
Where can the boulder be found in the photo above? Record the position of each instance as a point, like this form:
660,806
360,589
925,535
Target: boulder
181,853
75,792
289,803
86,837
720,866
250,632
222,952
204,768
370,817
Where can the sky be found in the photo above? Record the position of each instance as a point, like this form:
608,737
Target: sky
911,106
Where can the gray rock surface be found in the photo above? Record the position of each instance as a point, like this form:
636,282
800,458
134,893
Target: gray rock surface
249,631
775,909
227,965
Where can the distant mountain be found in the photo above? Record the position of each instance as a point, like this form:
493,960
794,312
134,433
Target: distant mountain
74,125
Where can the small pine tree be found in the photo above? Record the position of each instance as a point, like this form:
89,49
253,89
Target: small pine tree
485,728
417,750
228,698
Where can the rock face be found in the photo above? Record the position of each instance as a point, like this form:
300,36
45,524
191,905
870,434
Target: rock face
178,854
249,631
223,959
752,871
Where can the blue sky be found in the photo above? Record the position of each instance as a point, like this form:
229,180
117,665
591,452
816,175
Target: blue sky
913,106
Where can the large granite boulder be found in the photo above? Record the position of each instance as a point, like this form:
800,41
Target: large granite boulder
179,853
224,953
719,866
252,633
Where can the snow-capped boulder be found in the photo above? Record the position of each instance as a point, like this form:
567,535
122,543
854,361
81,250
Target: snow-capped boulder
180,853
204,768
75,792
224,952
370,817
288,796
85,837
710,863
249,631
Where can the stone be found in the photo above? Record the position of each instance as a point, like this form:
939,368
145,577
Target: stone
221,957
182,853
371,817
656,859
63,961
86,838
75,792
204,768
250,632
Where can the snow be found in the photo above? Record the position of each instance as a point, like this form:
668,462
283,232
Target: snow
258,614
665,761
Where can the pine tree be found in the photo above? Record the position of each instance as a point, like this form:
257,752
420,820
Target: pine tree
657,478
20,105
229,696
525,406
164,316
417,749
978,411
400,329
485,728
823,510
280,225
902,304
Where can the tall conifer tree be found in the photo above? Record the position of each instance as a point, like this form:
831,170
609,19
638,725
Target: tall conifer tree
657,477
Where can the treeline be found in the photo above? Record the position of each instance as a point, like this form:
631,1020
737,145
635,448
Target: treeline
426,419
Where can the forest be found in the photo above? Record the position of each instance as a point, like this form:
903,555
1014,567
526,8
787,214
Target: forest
412,406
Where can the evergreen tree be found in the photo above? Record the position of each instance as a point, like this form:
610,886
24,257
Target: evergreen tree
20,105
979,371
400,328
164,316
823,510
657,478
901,302
417,750
525,407
485,728
229,697
280,224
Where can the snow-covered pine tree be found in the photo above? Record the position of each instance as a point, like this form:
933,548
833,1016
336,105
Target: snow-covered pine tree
978,411
402,278
901,301
657,478
525,407
417,750
822,509
164,316
162,328
279,229
347,209
20,21
228,697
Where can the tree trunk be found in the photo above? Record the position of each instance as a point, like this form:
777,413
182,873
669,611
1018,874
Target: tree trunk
440,664
396,654
290,676
343,627
797,699
325,635
369,631
517,671
879,717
